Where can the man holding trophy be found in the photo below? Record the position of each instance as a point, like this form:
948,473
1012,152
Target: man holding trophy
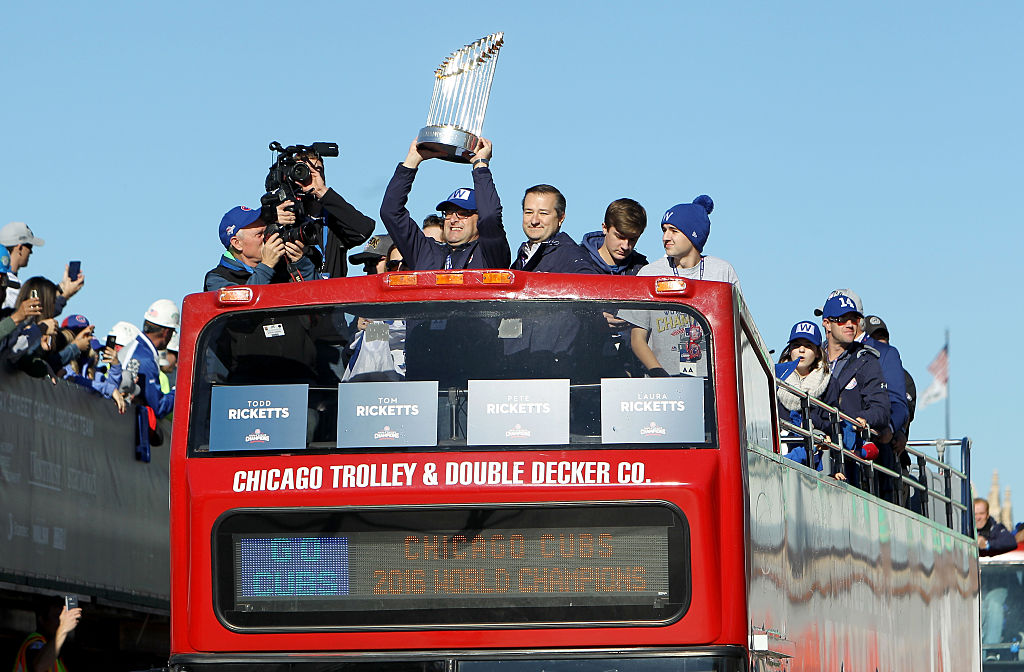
473,233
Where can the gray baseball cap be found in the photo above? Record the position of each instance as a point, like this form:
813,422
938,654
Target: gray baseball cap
376,248
18,233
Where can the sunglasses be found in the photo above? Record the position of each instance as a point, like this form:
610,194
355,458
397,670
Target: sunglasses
843,319
459,214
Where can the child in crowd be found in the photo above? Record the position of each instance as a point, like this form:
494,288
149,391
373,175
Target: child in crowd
803,365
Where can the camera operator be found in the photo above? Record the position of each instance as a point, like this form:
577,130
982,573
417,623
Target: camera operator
341,226
327,224
248,258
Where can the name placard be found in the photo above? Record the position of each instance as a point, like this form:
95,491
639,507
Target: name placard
518,412
387,414
652,410
258,417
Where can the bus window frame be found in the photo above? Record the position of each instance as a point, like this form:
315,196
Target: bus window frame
200,418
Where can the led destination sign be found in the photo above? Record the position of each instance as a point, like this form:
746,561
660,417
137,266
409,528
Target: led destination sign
500,565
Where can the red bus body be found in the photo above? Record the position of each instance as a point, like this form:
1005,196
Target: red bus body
788,569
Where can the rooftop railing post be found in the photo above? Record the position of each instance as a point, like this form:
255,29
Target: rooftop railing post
805,411
837,439
922,477
965,487
947,478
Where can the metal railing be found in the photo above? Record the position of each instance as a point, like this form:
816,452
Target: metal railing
827,441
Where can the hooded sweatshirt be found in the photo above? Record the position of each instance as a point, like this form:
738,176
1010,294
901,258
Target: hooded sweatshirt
592,243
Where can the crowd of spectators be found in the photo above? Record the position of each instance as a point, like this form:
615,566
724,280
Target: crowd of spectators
41,337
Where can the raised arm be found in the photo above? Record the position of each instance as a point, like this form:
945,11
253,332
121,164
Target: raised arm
492,233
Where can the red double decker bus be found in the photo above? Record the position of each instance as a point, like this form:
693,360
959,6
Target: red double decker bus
463,471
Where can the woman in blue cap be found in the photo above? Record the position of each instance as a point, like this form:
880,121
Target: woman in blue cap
803,365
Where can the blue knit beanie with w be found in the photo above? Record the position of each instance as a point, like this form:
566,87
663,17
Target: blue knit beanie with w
692,219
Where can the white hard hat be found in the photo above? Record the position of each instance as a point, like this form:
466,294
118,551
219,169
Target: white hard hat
164,313
125,332
172,345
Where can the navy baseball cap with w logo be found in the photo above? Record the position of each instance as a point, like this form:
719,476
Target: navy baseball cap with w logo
460,198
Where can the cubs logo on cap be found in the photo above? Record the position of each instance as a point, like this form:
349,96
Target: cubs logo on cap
806,330
234,219
75,322
461,198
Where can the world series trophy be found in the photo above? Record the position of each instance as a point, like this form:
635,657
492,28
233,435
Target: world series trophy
462,85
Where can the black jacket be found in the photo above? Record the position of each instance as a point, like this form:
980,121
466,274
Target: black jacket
557,254
422,253
346,229
859,390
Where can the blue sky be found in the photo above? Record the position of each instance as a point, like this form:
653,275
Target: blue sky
868,145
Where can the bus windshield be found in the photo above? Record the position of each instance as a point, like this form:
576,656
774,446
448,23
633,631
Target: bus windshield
449,373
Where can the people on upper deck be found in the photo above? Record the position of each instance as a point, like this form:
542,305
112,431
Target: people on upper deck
804,365
993,537
613,248
876,329
433,227
249,258
374,256
544,346
684,233
892,372
856,385
547,248
340,226
473,233
669,343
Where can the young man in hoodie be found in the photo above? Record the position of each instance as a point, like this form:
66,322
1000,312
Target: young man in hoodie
547,248
613,249
669,343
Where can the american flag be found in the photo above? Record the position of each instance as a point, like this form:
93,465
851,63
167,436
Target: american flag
939,368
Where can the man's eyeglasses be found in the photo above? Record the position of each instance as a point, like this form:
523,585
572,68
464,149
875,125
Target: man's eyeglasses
459,214
843,319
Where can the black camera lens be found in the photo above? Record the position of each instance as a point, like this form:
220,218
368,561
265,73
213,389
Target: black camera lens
300,173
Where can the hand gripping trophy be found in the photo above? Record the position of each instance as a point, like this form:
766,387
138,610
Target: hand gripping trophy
462,85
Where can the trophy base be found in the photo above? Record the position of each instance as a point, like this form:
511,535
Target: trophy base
458,145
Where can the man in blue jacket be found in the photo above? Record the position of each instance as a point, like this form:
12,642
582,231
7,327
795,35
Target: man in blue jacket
473,234
857,386
895,383
551,347
142,357
547,248
993,537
